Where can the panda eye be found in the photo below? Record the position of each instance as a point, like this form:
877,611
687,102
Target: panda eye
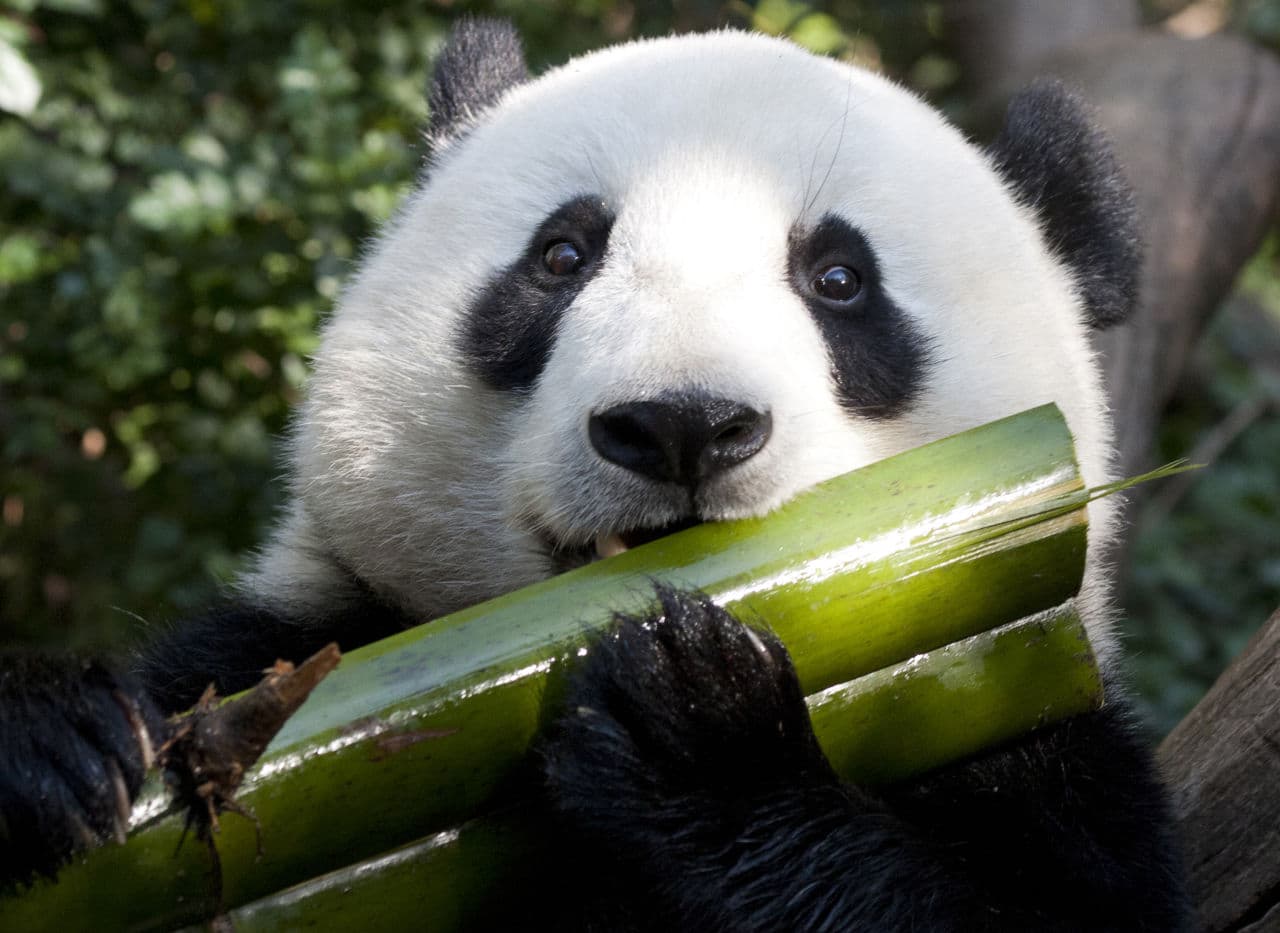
838,284
562,258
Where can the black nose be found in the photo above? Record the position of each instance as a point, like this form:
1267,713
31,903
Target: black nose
681,439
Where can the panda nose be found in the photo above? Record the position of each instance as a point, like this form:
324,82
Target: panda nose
681,439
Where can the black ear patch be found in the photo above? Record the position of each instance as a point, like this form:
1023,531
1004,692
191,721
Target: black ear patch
481,61
1062,166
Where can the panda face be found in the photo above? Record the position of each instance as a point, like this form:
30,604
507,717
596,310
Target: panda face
671,282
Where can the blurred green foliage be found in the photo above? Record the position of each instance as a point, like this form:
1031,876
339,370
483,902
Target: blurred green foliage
184,186
176,215
1205,567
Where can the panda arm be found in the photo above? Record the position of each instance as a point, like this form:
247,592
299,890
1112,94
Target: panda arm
687,765
77,735
76,738
231,644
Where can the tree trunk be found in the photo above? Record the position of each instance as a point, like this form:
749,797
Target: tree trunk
1223,763
1196,124
998,39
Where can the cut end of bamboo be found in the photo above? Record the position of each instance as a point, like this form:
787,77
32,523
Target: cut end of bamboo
213,747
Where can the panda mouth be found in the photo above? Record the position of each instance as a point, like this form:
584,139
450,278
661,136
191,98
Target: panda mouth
611,543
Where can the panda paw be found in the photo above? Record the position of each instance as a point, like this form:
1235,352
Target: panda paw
76,740
676,708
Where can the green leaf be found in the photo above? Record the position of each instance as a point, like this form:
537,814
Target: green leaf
19,258
820,33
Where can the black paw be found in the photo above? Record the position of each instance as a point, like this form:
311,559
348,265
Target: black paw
686,701
75,742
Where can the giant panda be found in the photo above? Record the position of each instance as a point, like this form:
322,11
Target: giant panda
670,282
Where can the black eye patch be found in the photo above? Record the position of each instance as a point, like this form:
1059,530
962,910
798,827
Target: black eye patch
510,328
879,356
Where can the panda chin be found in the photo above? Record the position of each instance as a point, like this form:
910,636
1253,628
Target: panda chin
608,544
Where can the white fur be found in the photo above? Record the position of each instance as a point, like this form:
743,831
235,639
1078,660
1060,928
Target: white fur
434,489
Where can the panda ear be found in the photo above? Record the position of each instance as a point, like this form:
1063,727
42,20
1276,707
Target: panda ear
480,62
1062,167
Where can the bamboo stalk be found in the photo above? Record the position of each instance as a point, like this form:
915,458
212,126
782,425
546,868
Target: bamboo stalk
416,734
885,726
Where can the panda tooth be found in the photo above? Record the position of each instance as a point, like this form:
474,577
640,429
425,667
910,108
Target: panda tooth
608,545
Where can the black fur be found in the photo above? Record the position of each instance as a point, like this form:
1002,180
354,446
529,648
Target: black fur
688,772
879,357
231,645
510,328
1063,167
480,62
65,727
68,741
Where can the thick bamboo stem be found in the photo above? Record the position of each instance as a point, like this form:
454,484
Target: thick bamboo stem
418,733
885,726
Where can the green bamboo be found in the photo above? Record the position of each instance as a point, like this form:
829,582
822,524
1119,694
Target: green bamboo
890,724
415,734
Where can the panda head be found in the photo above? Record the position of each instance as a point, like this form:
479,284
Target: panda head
678,281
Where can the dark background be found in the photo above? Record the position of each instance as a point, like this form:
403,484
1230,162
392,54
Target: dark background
180,208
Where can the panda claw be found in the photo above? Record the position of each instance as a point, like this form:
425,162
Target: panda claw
146,748
120,829
690,696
